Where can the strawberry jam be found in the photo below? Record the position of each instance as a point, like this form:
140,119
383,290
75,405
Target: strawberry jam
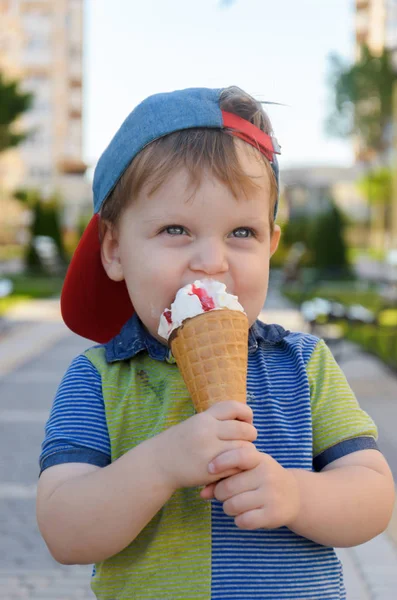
167,314
206,301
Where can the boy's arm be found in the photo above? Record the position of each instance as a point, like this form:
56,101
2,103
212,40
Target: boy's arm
340,425
346,504
87,514
349,502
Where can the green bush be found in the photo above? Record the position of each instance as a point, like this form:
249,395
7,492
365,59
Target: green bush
323,236
380,342
327,242
297,230
46,222
382,347
32,260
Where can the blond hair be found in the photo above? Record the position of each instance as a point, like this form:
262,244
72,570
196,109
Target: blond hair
196,150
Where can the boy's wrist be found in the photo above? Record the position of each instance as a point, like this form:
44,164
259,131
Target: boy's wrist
296,500
161,462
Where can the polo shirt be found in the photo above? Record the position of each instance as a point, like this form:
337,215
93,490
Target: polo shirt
306,416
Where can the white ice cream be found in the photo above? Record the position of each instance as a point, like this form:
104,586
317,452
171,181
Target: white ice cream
188,304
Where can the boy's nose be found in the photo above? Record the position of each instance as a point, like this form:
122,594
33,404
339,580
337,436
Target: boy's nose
209,258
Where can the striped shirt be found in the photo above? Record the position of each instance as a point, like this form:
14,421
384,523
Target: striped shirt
306,416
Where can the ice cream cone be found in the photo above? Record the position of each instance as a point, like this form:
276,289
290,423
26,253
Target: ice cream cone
211,351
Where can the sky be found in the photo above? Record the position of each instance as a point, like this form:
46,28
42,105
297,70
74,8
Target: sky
276,50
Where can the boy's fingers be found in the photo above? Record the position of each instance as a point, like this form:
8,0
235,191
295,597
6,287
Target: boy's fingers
252,519
207,493
242,503
231,409
237,484
243,458
237,430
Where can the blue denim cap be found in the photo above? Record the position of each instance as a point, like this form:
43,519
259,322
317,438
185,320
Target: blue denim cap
155,117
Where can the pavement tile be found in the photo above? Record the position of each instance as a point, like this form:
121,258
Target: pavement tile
356,588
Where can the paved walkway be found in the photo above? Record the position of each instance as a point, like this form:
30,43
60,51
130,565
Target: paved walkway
32,360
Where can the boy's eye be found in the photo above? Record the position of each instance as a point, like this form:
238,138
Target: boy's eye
243,232
174,230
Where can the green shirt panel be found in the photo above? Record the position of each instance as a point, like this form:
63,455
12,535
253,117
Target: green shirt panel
336,414
171,557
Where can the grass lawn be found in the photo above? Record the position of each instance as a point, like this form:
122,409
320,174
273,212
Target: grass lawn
36,286
28,287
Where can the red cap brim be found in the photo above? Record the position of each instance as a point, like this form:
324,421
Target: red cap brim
93,305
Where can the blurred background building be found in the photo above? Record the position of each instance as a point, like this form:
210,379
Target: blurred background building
376,24
367,192
306,189
41,45
376,28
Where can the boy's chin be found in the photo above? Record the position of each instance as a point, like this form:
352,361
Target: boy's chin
154,334
159,339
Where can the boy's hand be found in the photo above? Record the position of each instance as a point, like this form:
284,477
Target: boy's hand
185,450
262,494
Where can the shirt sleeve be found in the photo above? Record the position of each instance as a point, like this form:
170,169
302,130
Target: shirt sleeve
339,424
76,430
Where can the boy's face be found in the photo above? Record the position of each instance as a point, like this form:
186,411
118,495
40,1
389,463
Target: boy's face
180,234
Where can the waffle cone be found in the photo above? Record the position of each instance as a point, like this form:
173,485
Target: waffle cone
211,351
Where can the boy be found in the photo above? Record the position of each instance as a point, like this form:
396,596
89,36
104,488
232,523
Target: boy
186,190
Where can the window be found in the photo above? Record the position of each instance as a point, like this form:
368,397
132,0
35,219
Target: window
36,43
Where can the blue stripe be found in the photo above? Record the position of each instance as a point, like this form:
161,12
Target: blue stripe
76,430
276,564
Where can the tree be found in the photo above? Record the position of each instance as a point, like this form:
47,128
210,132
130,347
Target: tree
376,187
13,103
46,221
52,226
362,103
363,106
328,244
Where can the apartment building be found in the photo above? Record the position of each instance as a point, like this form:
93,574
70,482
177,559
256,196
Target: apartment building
371,16
41,43
373,28
376,24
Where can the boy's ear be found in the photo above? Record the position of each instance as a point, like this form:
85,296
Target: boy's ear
110,253
274,241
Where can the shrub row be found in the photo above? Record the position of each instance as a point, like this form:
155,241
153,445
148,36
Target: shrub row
374,339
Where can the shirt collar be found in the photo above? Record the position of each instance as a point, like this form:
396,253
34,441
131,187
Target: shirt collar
134,338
